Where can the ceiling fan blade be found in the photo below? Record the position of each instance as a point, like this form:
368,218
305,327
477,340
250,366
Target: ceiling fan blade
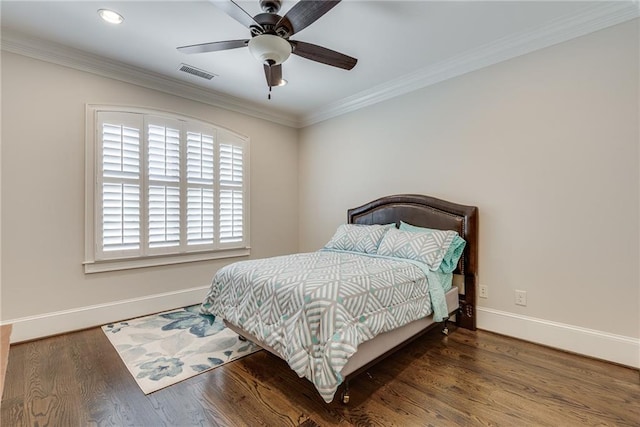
306,12
213,46
323,55
232,9
273,74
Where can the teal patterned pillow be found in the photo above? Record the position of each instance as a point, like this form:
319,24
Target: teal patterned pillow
358,238
451,258
429,248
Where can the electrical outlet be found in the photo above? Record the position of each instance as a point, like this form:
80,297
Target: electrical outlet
521,298
484,291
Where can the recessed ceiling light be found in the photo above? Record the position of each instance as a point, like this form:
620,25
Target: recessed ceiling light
110,16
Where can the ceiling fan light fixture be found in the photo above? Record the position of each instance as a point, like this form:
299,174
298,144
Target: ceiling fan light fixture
269,49
110,16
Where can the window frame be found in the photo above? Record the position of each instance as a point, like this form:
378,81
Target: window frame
95,259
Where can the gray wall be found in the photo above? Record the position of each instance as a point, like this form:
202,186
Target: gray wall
43,140
546,145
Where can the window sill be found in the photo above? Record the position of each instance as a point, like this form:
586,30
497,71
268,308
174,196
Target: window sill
155,261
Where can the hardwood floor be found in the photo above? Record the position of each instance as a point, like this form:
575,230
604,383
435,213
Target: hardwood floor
467,378
5,334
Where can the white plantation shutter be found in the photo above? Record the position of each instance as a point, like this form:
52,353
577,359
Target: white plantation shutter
163,177
200,160
120,150
200,182
231,192
119,222
164,216
231,213
200,219
165,187
120,217
164,152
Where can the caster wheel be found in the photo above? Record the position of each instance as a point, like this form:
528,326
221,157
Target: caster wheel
345,398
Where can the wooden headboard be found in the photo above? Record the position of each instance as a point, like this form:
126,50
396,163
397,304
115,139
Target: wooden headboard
425,211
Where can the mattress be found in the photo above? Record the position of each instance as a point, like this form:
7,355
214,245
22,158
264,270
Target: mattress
375,347
314,310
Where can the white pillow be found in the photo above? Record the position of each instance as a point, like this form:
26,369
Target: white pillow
429,248
358,238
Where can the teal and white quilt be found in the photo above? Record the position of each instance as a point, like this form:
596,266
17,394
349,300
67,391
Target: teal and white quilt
314,309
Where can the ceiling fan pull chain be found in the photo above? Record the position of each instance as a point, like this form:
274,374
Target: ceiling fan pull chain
269,64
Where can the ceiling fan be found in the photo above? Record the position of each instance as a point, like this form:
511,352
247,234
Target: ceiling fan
270,34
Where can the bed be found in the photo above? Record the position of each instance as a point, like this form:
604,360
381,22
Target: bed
325,345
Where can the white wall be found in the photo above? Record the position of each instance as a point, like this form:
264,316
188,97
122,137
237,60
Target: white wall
43,139
546,145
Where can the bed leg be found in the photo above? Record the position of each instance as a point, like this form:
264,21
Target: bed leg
445,328
345,393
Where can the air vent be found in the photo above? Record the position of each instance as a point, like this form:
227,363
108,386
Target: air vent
196,72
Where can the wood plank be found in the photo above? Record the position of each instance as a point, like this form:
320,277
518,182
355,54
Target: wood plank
5,335
467,378
13,398
51,390
124,402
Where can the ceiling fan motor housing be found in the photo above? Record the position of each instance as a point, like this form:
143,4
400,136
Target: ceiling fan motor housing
270,23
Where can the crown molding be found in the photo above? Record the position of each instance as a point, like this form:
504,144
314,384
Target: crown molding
560,30
81,60
598,17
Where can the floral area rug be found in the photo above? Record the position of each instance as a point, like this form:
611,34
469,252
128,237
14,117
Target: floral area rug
165,348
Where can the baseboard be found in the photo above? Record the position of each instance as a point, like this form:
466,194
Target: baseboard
589,342
40,326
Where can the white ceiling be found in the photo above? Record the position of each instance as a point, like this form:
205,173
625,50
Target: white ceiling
400,46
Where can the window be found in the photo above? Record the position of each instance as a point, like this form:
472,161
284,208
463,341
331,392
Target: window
162,189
